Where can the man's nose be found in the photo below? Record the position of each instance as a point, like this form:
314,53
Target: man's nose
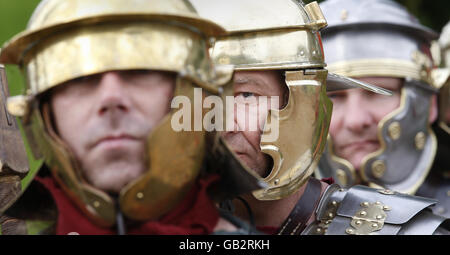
358,116
112,93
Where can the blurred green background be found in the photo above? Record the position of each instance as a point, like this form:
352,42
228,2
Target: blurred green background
14,15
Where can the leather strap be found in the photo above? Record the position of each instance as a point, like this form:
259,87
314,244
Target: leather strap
297,219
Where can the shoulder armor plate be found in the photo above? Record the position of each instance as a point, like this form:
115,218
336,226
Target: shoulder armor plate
364,210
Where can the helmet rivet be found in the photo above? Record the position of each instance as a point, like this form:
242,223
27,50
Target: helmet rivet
334,203
276,181
96,204
420,140
140,195
365,204
358,222
394,130
378,168
349,231
302,53
363,213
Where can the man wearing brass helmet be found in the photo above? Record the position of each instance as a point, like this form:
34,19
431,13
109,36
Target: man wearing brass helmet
380,141
280,56
101,76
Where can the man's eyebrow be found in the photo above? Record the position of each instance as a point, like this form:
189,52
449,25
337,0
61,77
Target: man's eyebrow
251,81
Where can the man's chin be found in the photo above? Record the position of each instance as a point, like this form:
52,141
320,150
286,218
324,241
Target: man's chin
113,179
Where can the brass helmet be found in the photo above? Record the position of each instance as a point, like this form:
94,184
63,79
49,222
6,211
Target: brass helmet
68,39
379,38
259,38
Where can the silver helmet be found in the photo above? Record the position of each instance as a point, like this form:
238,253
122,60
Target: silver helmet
379,38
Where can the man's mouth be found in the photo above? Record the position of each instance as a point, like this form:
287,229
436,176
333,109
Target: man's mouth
115,141
359,145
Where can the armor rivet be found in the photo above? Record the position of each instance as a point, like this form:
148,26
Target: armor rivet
302,53
420,140
394,130
330,215
328,222
358,222
386,208
349,231
386,192
365,204
318,230
314,52
378,168
375,225
96,204
276,181
378,203
341,190
334,203
344,15
140,195
363,213
379,217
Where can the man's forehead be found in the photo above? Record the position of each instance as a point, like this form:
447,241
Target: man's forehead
384,82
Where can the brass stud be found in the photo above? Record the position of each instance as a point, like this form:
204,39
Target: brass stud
419,140
386,192
349,231
96,204
394,130
140,195
344,15
378,168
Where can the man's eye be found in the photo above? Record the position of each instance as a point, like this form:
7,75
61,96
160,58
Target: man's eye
335,95
247,94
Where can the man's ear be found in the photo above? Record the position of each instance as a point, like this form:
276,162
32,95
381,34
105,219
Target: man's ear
433,109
